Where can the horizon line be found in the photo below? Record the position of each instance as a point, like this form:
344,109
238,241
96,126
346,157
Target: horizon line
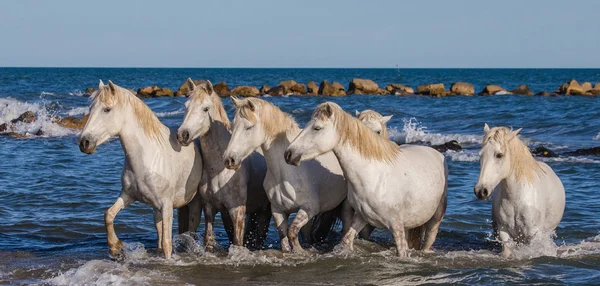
405,68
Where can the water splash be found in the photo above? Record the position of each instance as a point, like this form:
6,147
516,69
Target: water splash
12,109
170,113
414,131
597,136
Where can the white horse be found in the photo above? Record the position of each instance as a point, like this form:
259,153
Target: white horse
157,170
231,192
315,188
375,121
392,188
529,199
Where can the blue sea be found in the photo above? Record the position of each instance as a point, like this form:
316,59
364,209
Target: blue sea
53,197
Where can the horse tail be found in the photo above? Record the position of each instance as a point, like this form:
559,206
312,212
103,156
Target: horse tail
324,223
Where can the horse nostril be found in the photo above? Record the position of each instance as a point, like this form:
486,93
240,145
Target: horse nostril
84,144
485,192
288,156
229,161
185,135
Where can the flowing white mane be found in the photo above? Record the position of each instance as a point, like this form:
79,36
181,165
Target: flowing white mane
116,96
356,134
274,121
523,165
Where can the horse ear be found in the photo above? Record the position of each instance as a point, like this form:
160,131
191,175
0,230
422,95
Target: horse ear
486,129
190,84
100,85
236,101
328,110
209,87
357,113
385,119
251,105
514,134
112,86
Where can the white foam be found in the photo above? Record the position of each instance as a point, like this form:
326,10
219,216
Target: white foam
78,111
414,132
12,109
597,136
170,113
463,156
77,92
574,159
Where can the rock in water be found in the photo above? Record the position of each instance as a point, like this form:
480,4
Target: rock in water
450,145
522,89
245,91
491,90
362,86
462,88
222,89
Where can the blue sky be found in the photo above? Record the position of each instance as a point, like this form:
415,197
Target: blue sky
479,34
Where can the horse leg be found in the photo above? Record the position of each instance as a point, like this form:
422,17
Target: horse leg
302,217
357,223
399,234
414,237
281,222
365,233
237,216
183,214
262,227
507,243
347,214
167,228
194,214
209,235
433,225
159,226
114,244
307,232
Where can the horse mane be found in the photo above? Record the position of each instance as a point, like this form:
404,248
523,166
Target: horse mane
200,94
144,115
523,165
368,115
274,121
356,134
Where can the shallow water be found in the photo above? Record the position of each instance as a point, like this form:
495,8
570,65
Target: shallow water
53,197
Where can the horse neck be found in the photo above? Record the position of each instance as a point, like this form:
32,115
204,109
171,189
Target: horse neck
357,170
138,145
274,150
214,143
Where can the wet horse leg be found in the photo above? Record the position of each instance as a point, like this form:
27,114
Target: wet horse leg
357,223
167,228
302,217
237,216
159,227
114,244
209,235
281,222
399,234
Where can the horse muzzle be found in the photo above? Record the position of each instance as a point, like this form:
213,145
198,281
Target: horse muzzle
482,193
86,146
291,159
183,137
231,164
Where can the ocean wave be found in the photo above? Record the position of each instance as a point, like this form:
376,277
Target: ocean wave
170,113
13,108
570,159
597,136
463,156
78,111
414,132
77,92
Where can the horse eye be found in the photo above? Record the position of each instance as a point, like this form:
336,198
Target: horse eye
107,110
499,155
249,127
379,132
206,109
317,128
